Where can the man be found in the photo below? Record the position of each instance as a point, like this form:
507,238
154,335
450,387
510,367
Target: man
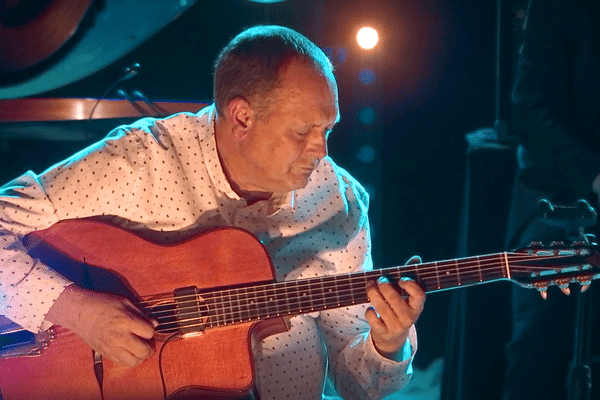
257,159
556,117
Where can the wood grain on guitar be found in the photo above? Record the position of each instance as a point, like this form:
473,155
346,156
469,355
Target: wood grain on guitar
215,293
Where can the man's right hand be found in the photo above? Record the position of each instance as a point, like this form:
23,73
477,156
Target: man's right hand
110,324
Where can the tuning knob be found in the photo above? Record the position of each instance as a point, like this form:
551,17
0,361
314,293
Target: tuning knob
544,293
585,287
565,289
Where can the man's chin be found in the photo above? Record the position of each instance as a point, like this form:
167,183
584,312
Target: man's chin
297,184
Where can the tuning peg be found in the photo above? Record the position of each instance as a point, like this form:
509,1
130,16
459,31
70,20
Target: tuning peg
584,287
544,294
565,290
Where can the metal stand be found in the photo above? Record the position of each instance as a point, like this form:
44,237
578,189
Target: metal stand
574,220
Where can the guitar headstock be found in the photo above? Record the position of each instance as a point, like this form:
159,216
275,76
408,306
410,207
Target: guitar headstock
539,266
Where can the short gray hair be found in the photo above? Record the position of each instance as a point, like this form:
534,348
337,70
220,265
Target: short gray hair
250,66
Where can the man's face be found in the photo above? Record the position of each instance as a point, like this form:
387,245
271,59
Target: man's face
282,150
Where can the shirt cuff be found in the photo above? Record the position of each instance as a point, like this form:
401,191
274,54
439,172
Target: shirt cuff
34,297
405,356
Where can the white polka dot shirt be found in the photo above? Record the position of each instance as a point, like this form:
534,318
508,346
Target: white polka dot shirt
165,175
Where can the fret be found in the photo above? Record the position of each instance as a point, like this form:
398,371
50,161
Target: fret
331,299
449,276
245,304
327,292
344,291
437,277
262,305
479,269
227,306
273,295
319,302
358,288
209,310
235,306
330,295
505,259
290,297
471,271
496,269
252,303
217,307
305,297
458,275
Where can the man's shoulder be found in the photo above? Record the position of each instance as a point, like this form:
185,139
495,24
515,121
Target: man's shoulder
168,127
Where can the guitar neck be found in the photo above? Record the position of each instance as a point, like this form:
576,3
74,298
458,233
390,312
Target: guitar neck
290,298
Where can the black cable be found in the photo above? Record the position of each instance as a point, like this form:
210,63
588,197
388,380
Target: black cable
128,73
160,368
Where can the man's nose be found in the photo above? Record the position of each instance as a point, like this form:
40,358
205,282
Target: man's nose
318,145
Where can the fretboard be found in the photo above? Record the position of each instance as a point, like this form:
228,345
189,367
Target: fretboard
289,298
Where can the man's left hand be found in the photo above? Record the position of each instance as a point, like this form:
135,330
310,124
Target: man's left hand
392,315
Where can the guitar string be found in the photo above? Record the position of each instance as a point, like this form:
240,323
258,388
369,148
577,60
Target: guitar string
482,263
423,274
298,287
340,296
292,307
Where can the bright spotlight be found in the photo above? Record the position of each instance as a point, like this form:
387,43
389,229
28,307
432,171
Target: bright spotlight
367,38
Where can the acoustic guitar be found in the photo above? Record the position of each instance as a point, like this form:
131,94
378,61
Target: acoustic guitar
213,294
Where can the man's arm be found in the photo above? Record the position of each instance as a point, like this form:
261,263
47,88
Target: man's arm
111,325
34,296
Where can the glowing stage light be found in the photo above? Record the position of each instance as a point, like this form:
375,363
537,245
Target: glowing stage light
367,38
366,116
366,76
366,154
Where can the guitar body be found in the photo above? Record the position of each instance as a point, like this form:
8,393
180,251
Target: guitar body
214,294
211,365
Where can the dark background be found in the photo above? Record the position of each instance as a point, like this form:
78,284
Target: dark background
435,82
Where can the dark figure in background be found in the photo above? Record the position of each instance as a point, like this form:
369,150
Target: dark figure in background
556,102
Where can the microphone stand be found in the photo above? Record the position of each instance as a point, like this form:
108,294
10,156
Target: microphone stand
575,219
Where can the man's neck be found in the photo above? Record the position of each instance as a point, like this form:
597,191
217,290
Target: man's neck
250,196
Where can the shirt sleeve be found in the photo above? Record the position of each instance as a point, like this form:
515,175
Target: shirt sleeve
28,288
356,369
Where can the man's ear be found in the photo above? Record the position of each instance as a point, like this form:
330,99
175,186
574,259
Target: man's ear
241,117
